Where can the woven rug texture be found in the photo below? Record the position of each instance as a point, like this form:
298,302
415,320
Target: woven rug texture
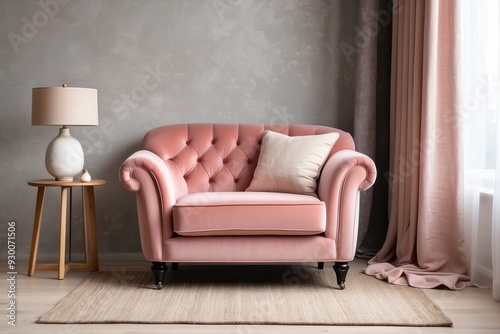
245,294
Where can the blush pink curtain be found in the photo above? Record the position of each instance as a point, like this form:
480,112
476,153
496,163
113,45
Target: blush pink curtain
424,245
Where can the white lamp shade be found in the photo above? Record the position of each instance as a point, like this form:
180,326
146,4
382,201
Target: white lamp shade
64,106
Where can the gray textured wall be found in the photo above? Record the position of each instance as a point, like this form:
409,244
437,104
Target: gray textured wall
154,63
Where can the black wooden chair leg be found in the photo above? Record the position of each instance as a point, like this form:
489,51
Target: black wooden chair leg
159,269
341,269
321,265
175,265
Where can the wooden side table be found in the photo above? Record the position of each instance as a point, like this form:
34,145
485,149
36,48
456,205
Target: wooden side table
88,205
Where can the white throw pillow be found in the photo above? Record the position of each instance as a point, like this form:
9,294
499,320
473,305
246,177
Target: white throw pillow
291,164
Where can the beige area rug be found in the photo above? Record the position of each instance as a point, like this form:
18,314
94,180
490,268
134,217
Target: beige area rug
239,294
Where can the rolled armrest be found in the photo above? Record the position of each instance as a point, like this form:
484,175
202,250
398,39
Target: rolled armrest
345,174
151,179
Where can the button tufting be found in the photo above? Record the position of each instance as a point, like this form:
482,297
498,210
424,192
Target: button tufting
225,161
249,161
238,143
236,180
213,141
199,159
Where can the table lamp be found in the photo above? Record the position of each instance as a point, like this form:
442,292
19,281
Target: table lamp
64,106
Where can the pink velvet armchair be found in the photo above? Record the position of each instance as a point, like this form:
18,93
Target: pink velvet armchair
190,182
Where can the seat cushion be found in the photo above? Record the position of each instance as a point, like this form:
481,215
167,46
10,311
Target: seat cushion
248,213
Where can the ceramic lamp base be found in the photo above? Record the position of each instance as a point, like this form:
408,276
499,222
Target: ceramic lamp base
64,157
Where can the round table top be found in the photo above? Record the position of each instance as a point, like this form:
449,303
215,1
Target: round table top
54,183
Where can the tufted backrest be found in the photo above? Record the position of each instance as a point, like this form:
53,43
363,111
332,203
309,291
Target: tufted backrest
221,157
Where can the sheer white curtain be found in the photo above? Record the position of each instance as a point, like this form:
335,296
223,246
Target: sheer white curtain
480,109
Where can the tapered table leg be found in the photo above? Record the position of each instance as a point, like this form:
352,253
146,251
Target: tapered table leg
89,226
36,230
62,235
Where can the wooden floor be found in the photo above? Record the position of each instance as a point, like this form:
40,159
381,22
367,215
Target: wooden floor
472,310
